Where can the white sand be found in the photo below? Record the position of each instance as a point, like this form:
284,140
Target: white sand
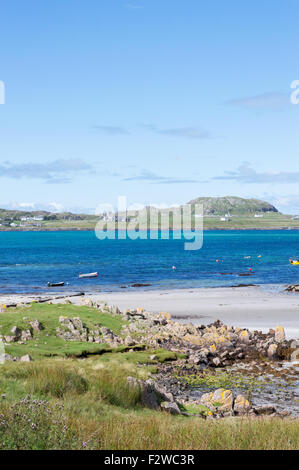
248,307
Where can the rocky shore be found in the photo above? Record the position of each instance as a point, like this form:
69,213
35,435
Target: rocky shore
217,371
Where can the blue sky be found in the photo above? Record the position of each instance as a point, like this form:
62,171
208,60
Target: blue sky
158,100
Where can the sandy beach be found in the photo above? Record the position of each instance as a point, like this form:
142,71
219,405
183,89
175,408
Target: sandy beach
248,307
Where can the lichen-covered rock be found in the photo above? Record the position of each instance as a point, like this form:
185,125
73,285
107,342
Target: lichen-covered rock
110,338
166,315
220,400
241,405
88,302
244,336
280,334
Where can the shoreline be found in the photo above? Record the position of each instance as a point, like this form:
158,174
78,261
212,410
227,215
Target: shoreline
248,307
210,229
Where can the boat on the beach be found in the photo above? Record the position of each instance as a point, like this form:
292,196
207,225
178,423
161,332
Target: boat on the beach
294,261
88,275
55,284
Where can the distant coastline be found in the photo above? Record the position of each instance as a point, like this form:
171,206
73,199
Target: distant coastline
214,213
88,229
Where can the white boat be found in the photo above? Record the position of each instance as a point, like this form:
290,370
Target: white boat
88,275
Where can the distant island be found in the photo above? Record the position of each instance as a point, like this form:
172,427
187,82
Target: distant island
219,213
233,205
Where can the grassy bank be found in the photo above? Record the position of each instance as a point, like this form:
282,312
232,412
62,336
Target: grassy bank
63,402
87,404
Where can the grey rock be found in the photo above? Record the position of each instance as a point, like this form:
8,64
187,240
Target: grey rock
98,339
295,355
264,410
160,391
8,357
26,358
10,339
272,351
216,362
133,381
77,322
129,341
149,397
26,335
170,407
36,325
16,331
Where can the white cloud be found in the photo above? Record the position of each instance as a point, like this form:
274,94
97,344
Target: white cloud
56,206
56,171
246,174
270,100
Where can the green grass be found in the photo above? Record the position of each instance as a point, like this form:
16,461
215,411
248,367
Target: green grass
46,343
76,403
48,315
195,409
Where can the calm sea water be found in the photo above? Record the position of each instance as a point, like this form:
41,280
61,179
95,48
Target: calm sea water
28,260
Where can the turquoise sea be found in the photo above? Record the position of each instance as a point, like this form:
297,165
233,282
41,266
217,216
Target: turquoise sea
28,260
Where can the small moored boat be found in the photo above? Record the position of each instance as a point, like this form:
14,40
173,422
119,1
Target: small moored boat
88,275
294,261
55,284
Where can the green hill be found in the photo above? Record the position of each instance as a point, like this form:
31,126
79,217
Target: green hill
233,205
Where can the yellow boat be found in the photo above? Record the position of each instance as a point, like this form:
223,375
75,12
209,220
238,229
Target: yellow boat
294,261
